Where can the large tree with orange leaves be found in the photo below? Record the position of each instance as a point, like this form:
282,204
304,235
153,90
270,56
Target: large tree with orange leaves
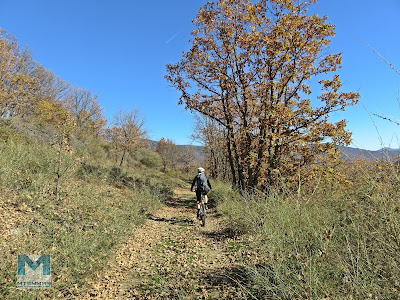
249,68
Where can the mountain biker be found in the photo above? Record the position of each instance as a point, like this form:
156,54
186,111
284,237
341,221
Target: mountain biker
203,186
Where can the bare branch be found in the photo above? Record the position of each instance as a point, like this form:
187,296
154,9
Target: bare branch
377,53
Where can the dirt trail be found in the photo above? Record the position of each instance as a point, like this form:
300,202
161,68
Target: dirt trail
172,257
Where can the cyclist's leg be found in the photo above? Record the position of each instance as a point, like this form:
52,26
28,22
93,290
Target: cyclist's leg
206,200
198,196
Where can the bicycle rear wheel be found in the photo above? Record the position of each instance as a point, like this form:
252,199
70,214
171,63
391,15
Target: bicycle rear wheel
203,214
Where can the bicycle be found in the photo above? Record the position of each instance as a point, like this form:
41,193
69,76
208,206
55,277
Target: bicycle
202,212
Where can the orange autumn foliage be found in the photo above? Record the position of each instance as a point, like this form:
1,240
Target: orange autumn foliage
249,69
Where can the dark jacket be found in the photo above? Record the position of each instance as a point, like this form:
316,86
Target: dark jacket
197,181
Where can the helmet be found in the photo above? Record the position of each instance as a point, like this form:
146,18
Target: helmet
201,170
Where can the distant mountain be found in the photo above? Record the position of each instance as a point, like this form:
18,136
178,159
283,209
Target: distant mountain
198,151
350,153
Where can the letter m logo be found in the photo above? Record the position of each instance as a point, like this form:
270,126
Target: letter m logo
43,259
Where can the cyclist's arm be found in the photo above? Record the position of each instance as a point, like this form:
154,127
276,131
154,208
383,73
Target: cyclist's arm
209,184
193,183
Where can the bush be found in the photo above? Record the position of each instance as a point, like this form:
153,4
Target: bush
150,159
161,190
6,133
89,172
223,192
88,146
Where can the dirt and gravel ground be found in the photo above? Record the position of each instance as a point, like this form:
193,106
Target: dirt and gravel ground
173,257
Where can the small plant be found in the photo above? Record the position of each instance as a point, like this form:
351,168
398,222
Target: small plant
237,245
170,242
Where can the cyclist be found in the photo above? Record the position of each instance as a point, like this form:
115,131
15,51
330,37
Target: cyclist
203,186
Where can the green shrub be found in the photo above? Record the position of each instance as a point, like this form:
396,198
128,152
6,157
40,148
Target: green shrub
6,132
150,159
223,192
26,167
88,146
88,171
117,177
161,190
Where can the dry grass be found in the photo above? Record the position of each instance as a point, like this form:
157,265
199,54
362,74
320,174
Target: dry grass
99,206
338,240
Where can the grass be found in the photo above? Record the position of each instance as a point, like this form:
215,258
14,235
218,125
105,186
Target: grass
332,239
99,206
335,243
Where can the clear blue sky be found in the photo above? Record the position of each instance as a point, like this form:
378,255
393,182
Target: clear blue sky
119,49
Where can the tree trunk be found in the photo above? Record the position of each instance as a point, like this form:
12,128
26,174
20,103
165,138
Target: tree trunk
58,172
122,159
231,163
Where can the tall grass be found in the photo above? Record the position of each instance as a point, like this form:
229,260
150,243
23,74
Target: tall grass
338,242
99,205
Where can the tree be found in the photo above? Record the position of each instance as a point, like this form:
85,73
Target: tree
128,132
86,111
23,82
249,69
186,157
17,87
49,86
169,153
53,113
212,135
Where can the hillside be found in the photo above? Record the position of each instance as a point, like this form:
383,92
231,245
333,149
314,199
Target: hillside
350,153
198,151
78,221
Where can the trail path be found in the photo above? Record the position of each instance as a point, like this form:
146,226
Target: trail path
172,257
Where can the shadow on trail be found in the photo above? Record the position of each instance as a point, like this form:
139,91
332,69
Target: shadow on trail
173,220
234,277
220,235
187,201
181,202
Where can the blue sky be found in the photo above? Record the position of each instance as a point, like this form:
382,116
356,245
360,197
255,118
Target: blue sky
119,49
